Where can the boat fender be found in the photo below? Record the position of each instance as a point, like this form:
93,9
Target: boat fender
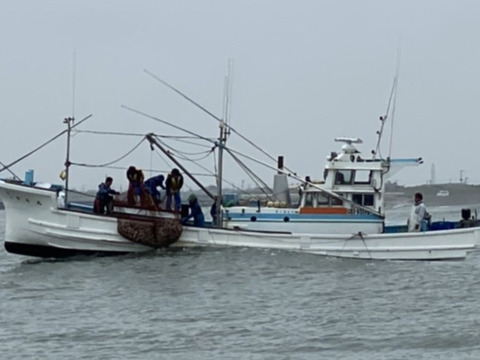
286,219
253,218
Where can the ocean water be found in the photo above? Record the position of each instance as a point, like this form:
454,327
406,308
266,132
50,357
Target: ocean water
236,303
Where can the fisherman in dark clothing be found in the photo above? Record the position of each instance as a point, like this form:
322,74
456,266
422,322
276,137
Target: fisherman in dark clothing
173,184
152,184
136,186
213,212
104,199
195,212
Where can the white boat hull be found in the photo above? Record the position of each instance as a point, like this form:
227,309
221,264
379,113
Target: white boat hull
36,227
435,245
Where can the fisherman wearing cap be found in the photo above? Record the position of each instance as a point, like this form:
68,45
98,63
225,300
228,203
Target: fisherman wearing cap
173,184
152,184
195,212
136,188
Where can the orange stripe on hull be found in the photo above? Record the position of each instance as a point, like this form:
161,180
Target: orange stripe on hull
323,210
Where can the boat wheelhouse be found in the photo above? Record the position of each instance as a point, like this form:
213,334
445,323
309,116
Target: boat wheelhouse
348,198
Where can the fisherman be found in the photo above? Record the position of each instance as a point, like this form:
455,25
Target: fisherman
151,186
466,220
136,186
419,216
104,199
302,188
195,212
213,212
173,184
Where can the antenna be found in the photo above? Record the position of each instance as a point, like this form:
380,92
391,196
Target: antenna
397,76
70,122
228,93
74,71
392,98
224,133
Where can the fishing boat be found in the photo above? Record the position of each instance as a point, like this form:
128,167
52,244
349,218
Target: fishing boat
38,223
41,221
342,214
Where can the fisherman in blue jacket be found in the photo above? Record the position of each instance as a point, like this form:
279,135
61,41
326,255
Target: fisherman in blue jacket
195,212
104,199
152,184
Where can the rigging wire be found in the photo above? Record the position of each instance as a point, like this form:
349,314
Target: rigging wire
175,150
98,132
110,162
5,167
210,113
252,175
167,123
195,161
10,171
185,155
209,173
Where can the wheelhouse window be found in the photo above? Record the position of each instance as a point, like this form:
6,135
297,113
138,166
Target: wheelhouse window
336,201
321,200
363,176
343,177
363,199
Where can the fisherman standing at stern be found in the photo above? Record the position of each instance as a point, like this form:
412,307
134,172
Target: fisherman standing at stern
419,215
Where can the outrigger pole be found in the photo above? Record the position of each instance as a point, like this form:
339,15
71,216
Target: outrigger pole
171,87
10,171
6,167
150,137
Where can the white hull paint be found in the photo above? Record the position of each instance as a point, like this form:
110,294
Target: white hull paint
435,245
34,222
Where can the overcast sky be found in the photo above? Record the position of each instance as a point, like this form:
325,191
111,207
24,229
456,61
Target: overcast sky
305,72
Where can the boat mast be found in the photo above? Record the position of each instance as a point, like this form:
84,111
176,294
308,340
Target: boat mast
218,201
69,121
224,132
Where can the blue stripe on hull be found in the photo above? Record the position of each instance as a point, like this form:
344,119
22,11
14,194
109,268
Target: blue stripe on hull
318,217
305,217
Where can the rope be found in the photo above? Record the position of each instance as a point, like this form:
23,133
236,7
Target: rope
251,175
359,234
43,145
111,162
